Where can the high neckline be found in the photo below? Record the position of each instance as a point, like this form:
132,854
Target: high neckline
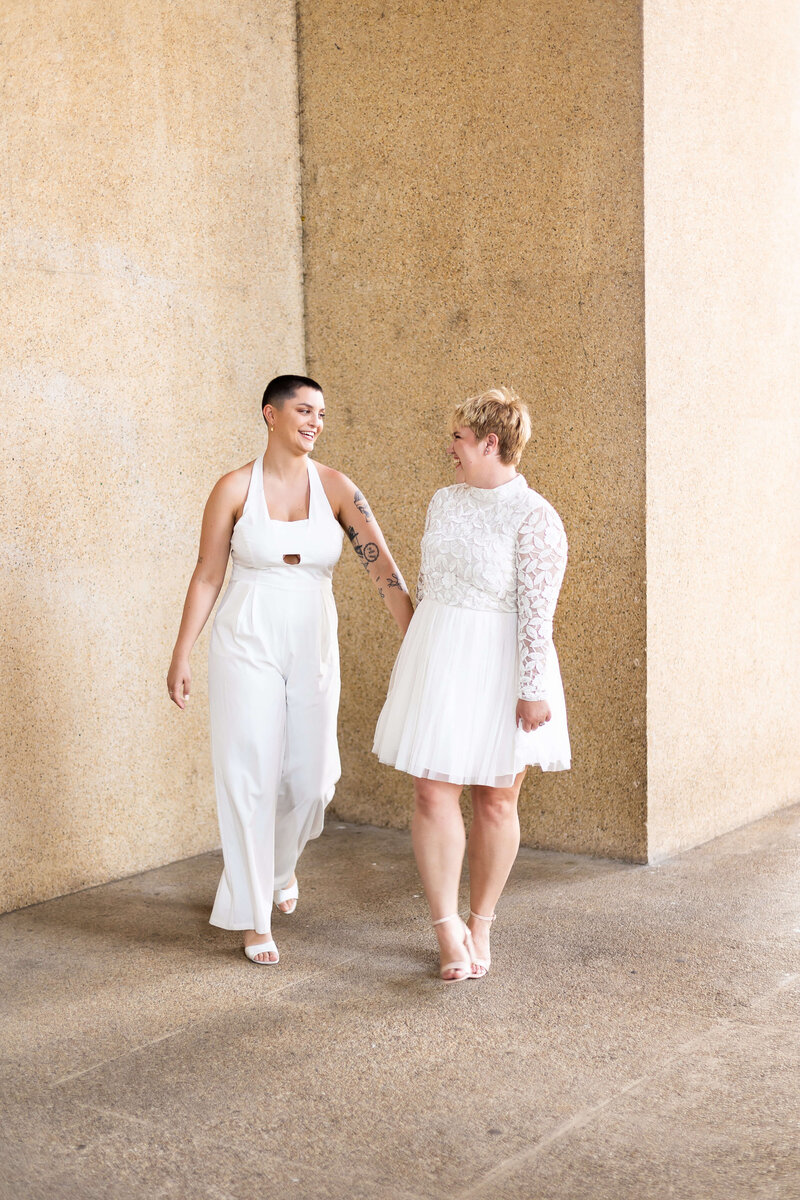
493,495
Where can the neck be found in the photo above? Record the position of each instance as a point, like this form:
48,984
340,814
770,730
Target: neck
284,462
491,474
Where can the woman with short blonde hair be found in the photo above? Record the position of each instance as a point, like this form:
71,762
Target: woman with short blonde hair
475,695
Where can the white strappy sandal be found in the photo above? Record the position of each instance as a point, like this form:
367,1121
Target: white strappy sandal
482,962
262,948
463,964
292,892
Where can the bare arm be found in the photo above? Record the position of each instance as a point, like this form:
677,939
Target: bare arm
356,518
206,582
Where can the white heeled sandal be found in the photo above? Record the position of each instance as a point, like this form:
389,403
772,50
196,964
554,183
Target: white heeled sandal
482,962
463,964
292,892
263,948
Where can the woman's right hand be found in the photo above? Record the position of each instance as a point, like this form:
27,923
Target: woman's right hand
532,714
179,681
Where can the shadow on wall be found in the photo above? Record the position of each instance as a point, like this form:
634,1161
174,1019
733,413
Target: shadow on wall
44,751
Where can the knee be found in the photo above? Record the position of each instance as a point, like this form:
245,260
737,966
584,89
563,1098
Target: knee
428,799
495,806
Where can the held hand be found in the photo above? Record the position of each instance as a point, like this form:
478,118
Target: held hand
532,714
179,680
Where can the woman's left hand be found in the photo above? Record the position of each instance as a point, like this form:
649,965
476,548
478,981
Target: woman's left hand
532,714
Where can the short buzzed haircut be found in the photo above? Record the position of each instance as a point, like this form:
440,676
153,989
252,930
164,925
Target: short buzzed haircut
283,387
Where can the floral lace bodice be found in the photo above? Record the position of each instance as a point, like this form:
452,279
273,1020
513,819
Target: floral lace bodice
501,549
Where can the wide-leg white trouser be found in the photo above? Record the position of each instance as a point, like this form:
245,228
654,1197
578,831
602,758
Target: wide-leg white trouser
274,697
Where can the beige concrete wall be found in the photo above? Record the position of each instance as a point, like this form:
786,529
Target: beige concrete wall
722,205
151,280
473,215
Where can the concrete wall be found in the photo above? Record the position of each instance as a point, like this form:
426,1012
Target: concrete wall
151,278
473,215
722,205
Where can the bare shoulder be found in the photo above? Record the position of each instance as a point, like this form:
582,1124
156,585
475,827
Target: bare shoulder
231,490
333,478
338,488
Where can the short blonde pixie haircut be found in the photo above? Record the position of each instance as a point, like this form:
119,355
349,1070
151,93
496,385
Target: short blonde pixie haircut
499,411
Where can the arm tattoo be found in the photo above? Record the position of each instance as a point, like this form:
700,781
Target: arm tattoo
396,580
362,506
360,550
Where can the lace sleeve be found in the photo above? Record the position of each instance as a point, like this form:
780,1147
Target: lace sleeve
421,576
541,562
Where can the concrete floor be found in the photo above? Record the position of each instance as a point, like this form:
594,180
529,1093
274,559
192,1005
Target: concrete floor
638,1036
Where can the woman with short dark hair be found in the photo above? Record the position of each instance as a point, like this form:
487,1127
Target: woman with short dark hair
273,658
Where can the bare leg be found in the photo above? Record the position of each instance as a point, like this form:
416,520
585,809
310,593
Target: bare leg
437,834
493,846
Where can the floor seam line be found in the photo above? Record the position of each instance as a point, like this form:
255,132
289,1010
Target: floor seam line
294,1164
584,1116
117,1057
183,1028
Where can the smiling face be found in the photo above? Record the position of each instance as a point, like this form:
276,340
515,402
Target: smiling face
466,452
298,423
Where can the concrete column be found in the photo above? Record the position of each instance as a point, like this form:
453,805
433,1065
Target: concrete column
722,250
486,190
151,272
473,215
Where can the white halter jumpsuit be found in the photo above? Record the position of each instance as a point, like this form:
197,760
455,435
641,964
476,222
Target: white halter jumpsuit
274,695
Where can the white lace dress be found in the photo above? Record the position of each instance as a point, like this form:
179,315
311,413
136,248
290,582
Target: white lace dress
481,638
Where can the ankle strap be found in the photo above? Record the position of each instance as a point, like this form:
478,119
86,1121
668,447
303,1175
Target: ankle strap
478,916
441,921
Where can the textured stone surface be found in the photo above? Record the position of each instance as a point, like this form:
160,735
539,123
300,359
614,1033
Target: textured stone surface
636,1037
150,267
472,180
722,221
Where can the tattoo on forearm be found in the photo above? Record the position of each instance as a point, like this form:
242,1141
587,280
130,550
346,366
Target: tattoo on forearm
396,580
362,506
381,593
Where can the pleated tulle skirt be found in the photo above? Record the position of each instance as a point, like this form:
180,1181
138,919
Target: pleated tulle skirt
450,710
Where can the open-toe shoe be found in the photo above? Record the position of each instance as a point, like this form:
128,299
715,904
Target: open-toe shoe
482,964
291,892
463,964
263,948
